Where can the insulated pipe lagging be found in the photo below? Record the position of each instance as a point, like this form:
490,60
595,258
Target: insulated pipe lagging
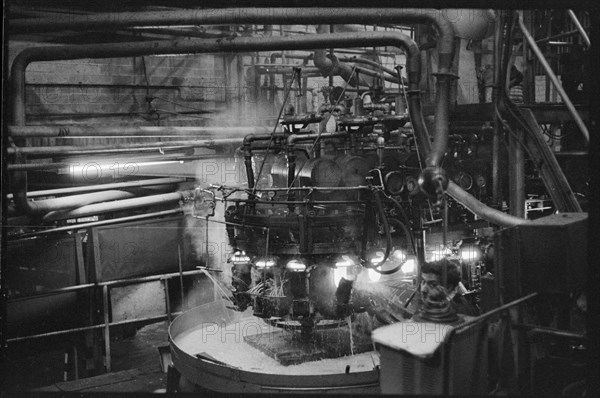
102,187
415,111
69,202
440,141
119,205
481,210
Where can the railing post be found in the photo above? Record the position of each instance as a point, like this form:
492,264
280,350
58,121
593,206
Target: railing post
106,328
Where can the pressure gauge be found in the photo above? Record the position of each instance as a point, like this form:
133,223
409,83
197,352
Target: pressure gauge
464,180
412,185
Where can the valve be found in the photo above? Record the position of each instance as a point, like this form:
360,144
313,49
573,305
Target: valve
433,181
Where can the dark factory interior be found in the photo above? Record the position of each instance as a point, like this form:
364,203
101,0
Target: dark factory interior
204,198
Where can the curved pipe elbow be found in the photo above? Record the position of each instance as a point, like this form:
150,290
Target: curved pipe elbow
248,139
481,210
291,140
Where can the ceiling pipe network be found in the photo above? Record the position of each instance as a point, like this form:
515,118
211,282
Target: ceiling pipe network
265,16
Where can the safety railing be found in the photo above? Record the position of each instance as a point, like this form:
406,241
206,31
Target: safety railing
106,325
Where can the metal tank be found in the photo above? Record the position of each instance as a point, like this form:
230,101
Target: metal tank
210,348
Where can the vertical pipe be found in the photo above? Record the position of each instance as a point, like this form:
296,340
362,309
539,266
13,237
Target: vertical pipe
304,92
248,164
592,319
331,30
420,243
444,240
4,203
516,164
291,156
106,328
528,67
477,59
241,83
496,182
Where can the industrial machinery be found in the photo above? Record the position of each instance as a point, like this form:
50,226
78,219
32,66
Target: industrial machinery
342,190
331,203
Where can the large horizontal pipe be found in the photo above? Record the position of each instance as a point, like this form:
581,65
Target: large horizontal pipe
372,73
134,147
116,131
139,159
240,44
293,138
119,205
69,202
101,187
226,16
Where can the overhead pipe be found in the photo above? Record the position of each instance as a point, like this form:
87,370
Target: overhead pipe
240,44
59,131
293,138
120,205
100,187
226,16
40,207
73,201
221,16
145,158
330,65
118,148
266,16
